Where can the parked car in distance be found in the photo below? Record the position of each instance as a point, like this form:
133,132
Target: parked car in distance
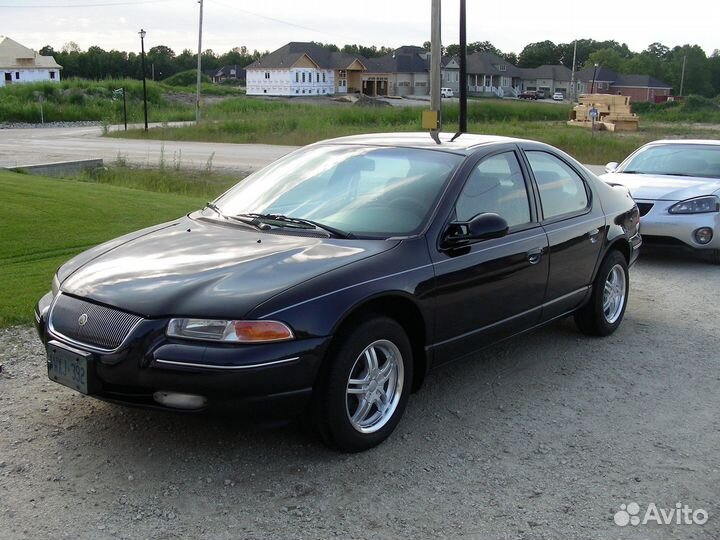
676,184
558,96
332,281
540,94
446,92
528,94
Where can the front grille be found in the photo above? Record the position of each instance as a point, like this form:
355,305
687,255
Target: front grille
644,207
104,328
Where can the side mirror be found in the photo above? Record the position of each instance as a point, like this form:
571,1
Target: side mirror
482,227
611,167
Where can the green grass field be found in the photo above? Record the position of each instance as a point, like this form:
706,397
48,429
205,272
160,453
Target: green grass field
247,120
47,221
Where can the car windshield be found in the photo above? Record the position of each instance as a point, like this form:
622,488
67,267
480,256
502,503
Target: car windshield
361,190
676,159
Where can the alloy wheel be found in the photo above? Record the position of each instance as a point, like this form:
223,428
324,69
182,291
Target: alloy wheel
614,294
375,386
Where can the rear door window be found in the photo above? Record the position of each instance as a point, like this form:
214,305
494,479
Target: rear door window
562,190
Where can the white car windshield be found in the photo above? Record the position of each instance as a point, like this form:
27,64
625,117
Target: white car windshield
362,190
676,159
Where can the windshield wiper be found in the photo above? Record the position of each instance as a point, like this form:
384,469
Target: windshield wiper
304,223
248,221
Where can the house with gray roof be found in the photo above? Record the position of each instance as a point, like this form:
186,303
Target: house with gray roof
233,72
638,87
404,72
18,64
300,68
450,73
548,78
492,75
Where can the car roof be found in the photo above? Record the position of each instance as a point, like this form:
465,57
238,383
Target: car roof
465,143
713,142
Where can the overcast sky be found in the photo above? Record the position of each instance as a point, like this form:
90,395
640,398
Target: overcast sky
508,24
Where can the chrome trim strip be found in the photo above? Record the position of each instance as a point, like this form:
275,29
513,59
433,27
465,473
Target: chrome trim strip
229,368
85,346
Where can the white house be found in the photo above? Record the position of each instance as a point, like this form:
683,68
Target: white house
304,69
18,64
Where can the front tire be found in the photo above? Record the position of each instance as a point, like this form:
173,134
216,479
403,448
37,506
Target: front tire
714,256
365,387
602,315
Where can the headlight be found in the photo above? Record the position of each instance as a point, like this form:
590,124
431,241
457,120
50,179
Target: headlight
55,288
701,205
229,331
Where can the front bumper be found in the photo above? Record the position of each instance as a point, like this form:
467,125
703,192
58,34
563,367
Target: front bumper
658,225
264,381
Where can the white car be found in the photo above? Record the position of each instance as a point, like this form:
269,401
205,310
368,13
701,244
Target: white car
676,185
558,96
447,92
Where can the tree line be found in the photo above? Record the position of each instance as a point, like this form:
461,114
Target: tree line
702,72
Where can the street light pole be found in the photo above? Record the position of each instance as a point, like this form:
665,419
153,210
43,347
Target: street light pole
199,66
142,58
592,87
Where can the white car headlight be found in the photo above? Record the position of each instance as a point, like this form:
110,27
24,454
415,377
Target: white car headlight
229,331
700,205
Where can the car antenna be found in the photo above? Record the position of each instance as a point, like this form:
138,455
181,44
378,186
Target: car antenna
462,117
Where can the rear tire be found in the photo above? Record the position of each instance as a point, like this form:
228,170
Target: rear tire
365,387
602,315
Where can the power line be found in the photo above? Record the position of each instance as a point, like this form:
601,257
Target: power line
274,19
102,4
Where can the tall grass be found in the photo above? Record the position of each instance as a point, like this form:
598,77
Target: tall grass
285,122
81,100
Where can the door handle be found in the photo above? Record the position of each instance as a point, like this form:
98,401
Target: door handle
534,255
593,235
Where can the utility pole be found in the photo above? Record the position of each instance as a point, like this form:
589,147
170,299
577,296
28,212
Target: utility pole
435,70
682,77
462,121
199,66
573,90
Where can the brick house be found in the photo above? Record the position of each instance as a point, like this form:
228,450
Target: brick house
638,87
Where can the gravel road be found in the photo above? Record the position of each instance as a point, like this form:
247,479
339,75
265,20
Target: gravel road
540,438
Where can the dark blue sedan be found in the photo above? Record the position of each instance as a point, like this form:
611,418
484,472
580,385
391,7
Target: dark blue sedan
331,282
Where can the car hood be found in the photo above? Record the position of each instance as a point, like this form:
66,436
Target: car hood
204,268
661,187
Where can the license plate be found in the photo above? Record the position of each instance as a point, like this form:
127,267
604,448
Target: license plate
69,367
